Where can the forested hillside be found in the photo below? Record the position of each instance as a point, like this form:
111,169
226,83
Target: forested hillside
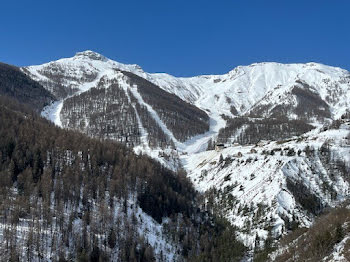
328,240
182,118
106,99
15,84
103,112
65,196
109,111
244,130
301,101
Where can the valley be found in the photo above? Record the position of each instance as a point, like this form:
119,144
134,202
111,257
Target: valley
260,97
284,159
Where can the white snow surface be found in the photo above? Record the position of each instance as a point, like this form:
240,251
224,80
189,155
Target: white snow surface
52,112
254,178
245,86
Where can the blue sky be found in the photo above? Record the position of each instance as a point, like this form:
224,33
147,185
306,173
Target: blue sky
180,37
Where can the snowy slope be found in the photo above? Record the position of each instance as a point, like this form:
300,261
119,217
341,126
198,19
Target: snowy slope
252,182
84,71
164,248
81,72
253,176
87,62
244,88
87,70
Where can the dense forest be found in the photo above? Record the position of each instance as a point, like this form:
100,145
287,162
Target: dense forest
65,197
16,84
107,111
182,118
102,112
244,130
309,105
156,136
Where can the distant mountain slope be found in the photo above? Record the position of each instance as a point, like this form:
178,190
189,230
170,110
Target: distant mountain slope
307,92
106,99
267,85
244,88
16,85
245,131
293,95
183,119
67,76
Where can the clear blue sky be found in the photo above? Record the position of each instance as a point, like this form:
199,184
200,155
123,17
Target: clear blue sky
179,37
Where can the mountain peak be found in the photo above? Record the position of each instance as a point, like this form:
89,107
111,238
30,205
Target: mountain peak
91,54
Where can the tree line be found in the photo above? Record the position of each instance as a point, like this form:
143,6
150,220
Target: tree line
244,130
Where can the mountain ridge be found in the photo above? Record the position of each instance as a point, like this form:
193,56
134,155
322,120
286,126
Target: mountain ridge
260,90
191,88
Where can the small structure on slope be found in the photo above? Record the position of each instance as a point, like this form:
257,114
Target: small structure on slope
219,147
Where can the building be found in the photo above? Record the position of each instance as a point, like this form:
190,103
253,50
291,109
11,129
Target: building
219,147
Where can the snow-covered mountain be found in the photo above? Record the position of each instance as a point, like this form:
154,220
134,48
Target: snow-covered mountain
264,188
273,184
78,73
247,87
311,91
106,99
